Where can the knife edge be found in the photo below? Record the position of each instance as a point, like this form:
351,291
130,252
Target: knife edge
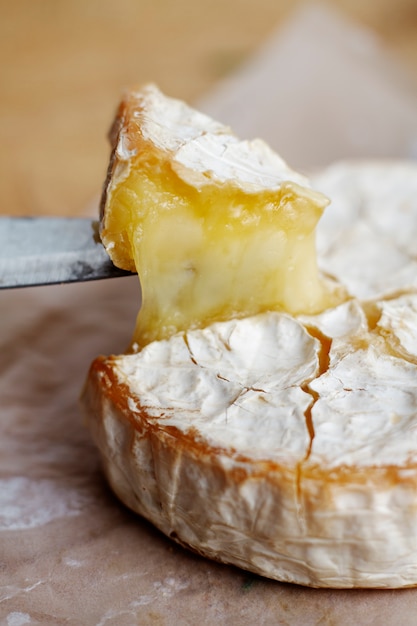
52,250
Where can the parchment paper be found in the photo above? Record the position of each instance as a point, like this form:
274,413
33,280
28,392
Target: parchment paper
321,90
70,553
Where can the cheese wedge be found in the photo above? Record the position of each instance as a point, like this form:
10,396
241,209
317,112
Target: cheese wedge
280,437
217,228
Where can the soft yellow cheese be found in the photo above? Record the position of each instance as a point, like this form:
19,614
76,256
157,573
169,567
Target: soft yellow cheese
216,228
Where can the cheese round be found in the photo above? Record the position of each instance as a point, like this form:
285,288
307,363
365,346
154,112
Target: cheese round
287,445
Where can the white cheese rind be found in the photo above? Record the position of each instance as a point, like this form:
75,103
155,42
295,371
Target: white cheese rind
398,322
366,413
347,318
200,150
362,530
367,238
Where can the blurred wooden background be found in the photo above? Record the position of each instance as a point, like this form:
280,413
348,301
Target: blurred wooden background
64,64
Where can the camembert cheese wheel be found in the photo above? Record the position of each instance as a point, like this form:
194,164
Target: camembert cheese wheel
281,441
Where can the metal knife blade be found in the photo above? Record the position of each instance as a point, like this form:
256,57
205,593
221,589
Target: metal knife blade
52,250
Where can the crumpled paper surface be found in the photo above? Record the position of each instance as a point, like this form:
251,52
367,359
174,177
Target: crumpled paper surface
70,553
322,90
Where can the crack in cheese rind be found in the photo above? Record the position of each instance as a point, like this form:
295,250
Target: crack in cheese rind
367,397
362,463
216,228
365,414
